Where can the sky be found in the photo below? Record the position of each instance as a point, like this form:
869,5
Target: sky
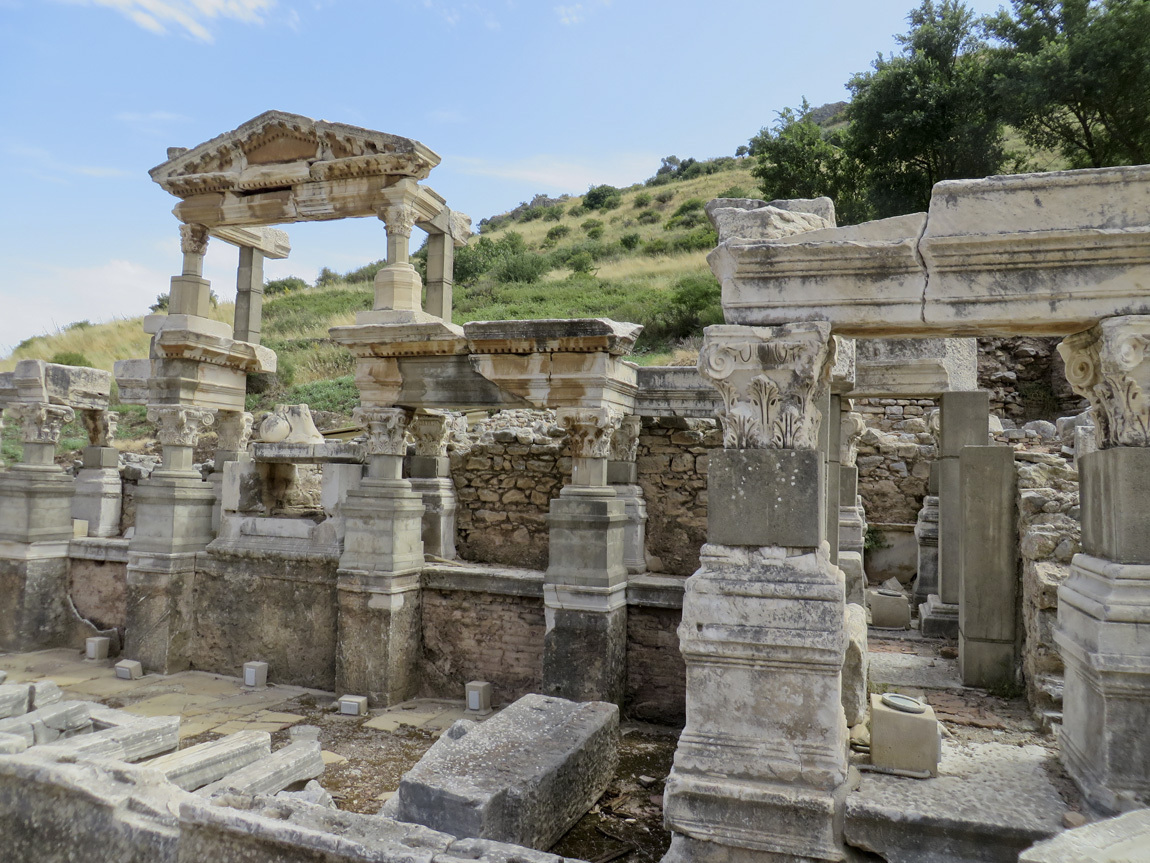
517,96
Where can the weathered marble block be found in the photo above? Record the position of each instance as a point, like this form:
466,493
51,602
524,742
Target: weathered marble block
524,776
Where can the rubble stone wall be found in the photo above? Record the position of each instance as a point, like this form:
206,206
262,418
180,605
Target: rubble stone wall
656,673
1026,379
98,590
894,458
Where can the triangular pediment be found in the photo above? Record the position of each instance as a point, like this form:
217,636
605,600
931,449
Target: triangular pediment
277,149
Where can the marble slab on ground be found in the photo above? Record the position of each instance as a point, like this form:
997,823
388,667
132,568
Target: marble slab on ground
1125,839
910,670
988,803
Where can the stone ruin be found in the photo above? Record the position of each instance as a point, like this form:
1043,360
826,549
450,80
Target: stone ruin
523,504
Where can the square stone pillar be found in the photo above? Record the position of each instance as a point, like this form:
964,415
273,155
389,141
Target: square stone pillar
378,575
831,433
1104,605
234,430
98,491
622,475
440,270
964,420
429,472
35,527
852,519
247,322
585,586
173,522
988,589
760,771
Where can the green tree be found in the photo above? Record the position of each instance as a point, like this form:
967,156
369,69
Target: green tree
926,114
1074,76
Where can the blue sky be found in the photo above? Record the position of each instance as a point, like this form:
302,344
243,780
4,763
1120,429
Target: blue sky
517,97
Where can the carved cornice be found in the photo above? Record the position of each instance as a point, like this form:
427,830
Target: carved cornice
41,422
100,426
430,431
625,440
851,428
1107,365
235,430
589,430
386,429
180,425
771,379
194,240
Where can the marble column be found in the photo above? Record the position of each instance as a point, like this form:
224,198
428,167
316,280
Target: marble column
623,477
760,771
1104,605
585,586
173,523
35,526
190,292
378,575
99,493
429,472
397,284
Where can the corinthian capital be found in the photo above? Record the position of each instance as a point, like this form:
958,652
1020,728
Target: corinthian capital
235,430
100,426
771,379
386,429
589,430
399,218
193,240
430,432
851,428
180,425
625,441
1107,365
41,422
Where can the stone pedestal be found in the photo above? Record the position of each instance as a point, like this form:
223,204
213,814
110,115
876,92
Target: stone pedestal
635,533
964,420
987,631
926,532
98,492
852,518
585,597
439,505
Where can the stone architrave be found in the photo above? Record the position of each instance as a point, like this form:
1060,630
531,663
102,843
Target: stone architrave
622,476
1104,605
585,586
761,766
173,523
429,472
378,575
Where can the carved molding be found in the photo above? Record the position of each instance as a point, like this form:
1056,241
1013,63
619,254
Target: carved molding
430,431
386,429
41,422
1107,365
771,380
625,440
399,218
180,425
589,430
851,428
194,240
100,426
235,430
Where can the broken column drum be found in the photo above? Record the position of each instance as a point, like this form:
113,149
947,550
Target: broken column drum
761,764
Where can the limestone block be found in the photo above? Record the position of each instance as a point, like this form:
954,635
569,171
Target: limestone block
1115,525
851,563
199,765
97,499
15,699
914,368
675,391
97,648
313,793
889,608
762,223
524,776
296,762
855,665
134,741
1113,840
242,489
45,692
353,705
12,744
75,386
49,723
129,669
478,697
901,740
132,380
765,497
551,335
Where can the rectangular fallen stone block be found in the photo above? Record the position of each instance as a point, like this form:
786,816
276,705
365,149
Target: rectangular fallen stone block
199,765
49,723
293,763
523,777
353,705
97,648
12,744
129,669
1125,839
134,742
15,698
45,692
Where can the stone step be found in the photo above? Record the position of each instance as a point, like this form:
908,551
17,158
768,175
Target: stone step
204,763
293,763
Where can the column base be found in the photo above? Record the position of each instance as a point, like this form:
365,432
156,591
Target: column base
988,664
35,504
35,613
938,619
97,500
635,533
439,505
160,624
379,636
585,644
1102,607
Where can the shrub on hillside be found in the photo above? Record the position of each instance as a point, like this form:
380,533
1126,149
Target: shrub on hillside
589,224
648,217
70,358
288,285
700,240
657,246
581,262
641,200
78,325
556,234
521,267
629,241
596,232
665,197
553,214
734,192
602,198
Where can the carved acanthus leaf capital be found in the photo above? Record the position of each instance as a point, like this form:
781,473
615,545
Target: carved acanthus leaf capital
1107,365
399,218
771,380
193,240
180,425
100,426
41,422
430,431
235,430
625,441
851,429
386,429
589,430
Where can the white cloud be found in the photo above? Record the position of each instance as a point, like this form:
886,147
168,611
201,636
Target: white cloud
561,173
192,16
577,13
48,167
